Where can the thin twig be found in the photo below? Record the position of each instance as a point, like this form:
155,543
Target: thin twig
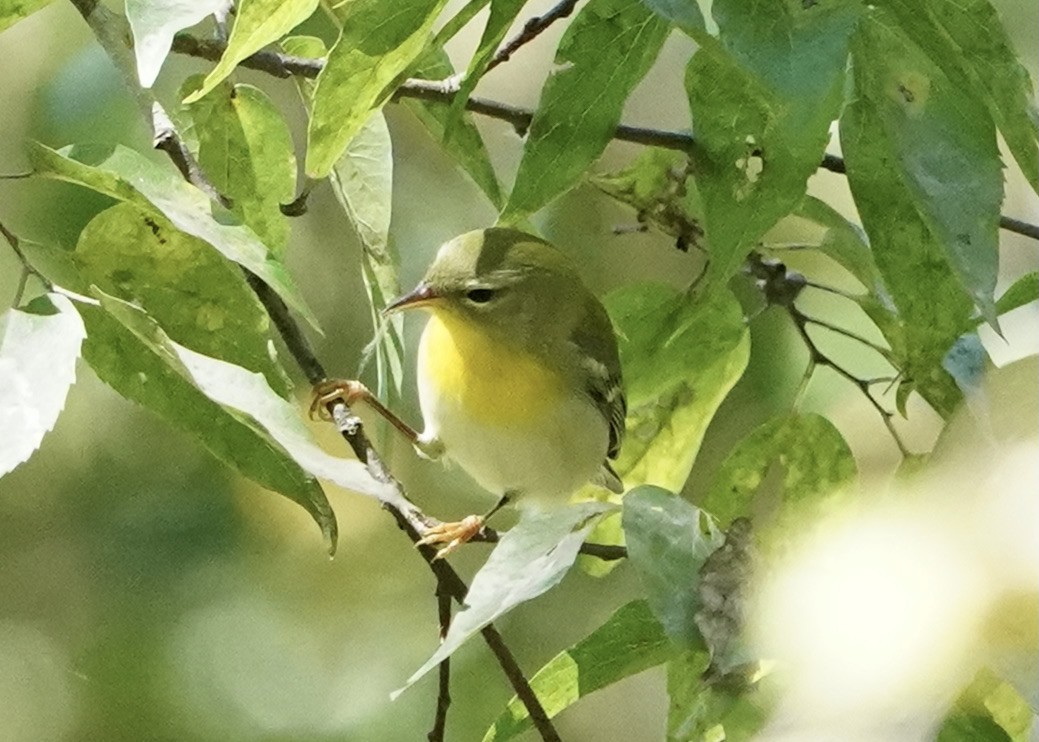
284,65
885,353
436,734
27,269
111,29
531,30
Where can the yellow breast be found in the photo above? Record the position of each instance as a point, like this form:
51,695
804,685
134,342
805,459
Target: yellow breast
489,383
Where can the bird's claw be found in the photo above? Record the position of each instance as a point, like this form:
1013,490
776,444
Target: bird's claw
346,391
452,535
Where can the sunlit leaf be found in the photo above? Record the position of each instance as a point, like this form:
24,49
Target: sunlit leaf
379,41
154,22
943,170
246,149
124,174
668,542
803,457
762,100
532,557
130,353
1023,291
39,346
605,52
362,181
465,144
197,297
681,354
257,23
630,641
12,11
968,41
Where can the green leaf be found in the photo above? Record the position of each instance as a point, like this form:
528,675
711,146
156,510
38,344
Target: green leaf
257,23
762,102
685,14
154,22
12,11
657,185
130,353
680,355
379,41
1024,291
605,52
532,557
198,298
503,13
668,542
630,641
967,40
845,242
963,726
992,708
126,175
362,181
39,347
803,457
246,149
465,144
705,712
938,144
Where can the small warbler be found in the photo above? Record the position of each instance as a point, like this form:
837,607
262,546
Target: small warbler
519,378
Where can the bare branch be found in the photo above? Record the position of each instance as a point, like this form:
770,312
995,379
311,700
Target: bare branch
436,734
531,30
284,65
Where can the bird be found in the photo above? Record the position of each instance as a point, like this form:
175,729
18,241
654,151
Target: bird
518,371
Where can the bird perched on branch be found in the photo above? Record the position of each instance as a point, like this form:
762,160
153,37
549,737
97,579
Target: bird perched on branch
519,377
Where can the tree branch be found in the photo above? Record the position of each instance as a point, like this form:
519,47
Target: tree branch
436,734
284,65
113,33
531,30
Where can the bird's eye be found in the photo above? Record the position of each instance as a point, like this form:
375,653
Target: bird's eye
479,296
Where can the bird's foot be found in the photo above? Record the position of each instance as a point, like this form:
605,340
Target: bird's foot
347,391
452,535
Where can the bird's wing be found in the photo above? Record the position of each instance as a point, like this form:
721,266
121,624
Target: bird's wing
600,364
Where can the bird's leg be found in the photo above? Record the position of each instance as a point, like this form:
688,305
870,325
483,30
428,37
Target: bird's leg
453,535
350,392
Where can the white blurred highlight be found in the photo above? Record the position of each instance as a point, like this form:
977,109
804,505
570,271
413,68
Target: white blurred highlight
881,615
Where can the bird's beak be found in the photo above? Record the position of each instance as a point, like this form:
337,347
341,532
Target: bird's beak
422,295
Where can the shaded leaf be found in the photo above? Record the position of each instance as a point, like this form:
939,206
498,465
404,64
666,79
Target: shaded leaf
762,102
703,712
362,181
465,144
257,23
967,40
198,298
131,354
379,41
605,52
668,542
813,461
723,591
246,149
532,557
630,641
685,14
940,146
124,174
154,22
845,242
39,346
12,11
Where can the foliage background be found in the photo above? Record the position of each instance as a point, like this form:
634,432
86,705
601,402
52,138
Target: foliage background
143,587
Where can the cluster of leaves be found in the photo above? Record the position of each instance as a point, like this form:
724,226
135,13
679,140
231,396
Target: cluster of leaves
163,310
